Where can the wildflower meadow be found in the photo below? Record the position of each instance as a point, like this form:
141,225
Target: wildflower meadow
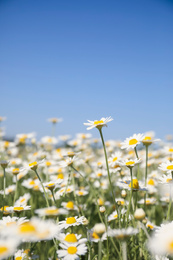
81,197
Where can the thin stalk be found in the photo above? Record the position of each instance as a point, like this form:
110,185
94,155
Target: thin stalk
131,192
53,197
124,249
45,194
170,204
107,166
100,250
146,171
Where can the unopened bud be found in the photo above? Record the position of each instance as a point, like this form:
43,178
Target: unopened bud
85,221
102,209
123,193
139,214
99,229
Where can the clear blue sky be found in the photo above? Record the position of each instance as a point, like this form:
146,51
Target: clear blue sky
83,60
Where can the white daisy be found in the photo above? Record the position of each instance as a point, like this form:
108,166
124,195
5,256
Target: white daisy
98,123
132,141
70,252
167,166
71,221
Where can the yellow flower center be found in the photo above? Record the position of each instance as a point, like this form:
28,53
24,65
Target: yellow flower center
72,250
133,141
70,205
135,184
115,158
18,258
95,236
151,182
170,247
80,193
18,208
33,164
48,163
32,182
150,226
115,216
5,208
148,201
147,138
50,184
27,228
68,190
170,167
15,171
168,180
22,200
3,249
71,220
171,150
99,174
70,238
60,176
100,202
51,211
130,163
97,122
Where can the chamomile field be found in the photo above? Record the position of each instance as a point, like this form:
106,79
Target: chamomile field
66,198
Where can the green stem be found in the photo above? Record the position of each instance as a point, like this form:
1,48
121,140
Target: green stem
100,250
169,207
107,166
124,249
146,171
53,197
45,194
131,192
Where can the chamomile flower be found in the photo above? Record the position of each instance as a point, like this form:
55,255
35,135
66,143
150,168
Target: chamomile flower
98,123
53,184
161,243
8,221
114,215
130,163
51,211
71,221
8,246
132,142
69,205
114,159
167,166
70,252
71,238
122,234
37,230
21,255
23,199
33,166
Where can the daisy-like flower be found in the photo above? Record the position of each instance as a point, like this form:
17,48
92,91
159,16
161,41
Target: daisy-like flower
149,138
68,161
122,234
33,166
70,252
8,221
132,142
98,123
69,205
71,221
22,201
167,166
114,215
19,208
74,239
161,243
4,163
52,185
37,230
114,159
8,246
51,211
130,163
54,120
21,255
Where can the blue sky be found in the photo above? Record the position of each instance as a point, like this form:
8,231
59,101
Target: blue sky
84,60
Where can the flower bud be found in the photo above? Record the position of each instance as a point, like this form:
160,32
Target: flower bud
139,214
99,229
